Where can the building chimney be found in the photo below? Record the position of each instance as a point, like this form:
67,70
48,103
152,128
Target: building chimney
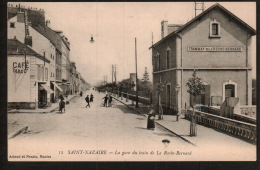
20,16
164,28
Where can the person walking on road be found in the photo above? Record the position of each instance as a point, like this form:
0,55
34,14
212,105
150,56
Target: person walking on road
62,106
91,97
150,120
105,100
87,100
80,94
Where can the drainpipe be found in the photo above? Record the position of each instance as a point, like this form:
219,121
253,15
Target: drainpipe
247,69
181,72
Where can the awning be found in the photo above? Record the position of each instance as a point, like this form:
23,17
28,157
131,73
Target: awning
47,88
56,85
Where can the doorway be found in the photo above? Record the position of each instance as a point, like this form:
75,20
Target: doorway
229,90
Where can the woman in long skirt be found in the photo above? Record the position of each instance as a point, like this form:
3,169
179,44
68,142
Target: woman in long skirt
150,120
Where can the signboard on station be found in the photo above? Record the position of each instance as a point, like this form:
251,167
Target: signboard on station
215,49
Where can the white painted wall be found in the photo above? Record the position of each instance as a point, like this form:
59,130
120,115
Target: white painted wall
18,83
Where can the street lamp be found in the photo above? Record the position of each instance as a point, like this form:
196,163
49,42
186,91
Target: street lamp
177,89
92,39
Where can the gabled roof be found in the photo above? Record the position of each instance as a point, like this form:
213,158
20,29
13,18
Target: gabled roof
15,47
215,6
49,34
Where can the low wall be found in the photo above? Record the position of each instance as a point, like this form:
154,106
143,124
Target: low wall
237,128
22,105
240,117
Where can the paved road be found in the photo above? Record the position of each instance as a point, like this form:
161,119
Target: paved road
115,130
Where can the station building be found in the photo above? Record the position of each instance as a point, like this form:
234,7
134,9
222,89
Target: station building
218,45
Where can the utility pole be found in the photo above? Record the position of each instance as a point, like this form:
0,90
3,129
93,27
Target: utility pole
115,72
112,73
199,6
136,103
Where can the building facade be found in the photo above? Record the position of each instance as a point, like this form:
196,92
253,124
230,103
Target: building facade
218,45
28,76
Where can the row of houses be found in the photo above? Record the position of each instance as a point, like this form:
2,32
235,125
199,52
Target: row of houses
218,45
39,65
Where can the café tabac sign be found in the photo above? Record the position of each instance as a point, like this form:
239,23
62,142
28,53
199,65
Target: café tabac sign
215,49
20,67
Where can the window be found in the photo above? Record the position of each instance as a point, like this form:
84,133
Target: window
159,64
12,25
39,72
214,29
168,96
42,71
168,58
46,74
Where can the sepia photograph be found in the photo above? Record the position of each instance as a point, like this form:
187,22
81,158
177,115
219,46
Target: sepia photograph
131,81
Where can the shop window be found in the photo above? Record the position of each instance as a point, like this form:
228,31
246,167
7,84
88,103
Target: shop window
12,25
215,29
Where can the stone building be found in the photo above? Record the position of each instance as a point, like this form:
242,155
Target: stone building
218,45
28,76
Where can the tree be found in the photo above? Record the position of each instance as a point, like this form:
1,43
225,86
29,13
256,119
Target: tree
145,78
195,88
160,90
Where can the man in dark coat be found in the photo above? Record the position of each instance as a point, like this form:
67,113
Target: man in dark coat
87,100
106,100
91,97
62,106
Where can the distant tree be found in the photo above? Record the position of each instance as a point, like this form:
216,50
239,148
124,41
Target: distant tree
195,88
160,87
145,78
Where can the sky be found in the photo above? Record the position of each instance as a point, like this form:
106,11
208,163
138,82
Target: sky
115,25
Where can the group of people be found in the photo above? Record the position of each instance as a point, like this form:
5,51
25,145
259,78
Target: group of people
89,99
107,100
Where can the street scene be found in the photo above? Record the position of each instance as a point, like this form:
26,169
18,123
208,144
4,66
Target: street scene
136,84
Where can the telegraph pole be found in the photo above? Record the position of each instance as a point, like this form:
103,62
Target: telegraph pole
112,73
115,72
136,103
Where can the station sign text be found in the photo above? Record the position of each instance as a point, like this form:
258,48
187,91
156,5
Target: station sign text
215,49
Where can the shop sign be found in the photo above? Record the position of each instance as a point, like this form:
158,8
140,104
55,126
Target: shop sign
20,67
215,49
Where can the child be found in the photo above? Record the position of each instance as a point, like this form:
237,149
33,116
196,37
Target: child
62,106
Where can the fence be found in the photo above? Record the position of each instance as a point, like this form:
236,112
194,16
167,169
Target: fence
248,113
237,128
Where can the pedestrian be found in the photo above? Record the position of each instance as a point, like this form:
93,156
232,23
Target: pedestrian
62,106
91,97
150,120
61,97
87,100
80,93
110,99
106,100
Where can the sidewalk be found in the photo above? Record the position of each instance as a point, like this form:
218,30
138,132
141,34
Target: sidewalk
206,137
53,107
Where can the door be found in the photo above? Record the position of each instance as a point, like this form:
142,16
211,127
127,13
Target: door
229,90
168,96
